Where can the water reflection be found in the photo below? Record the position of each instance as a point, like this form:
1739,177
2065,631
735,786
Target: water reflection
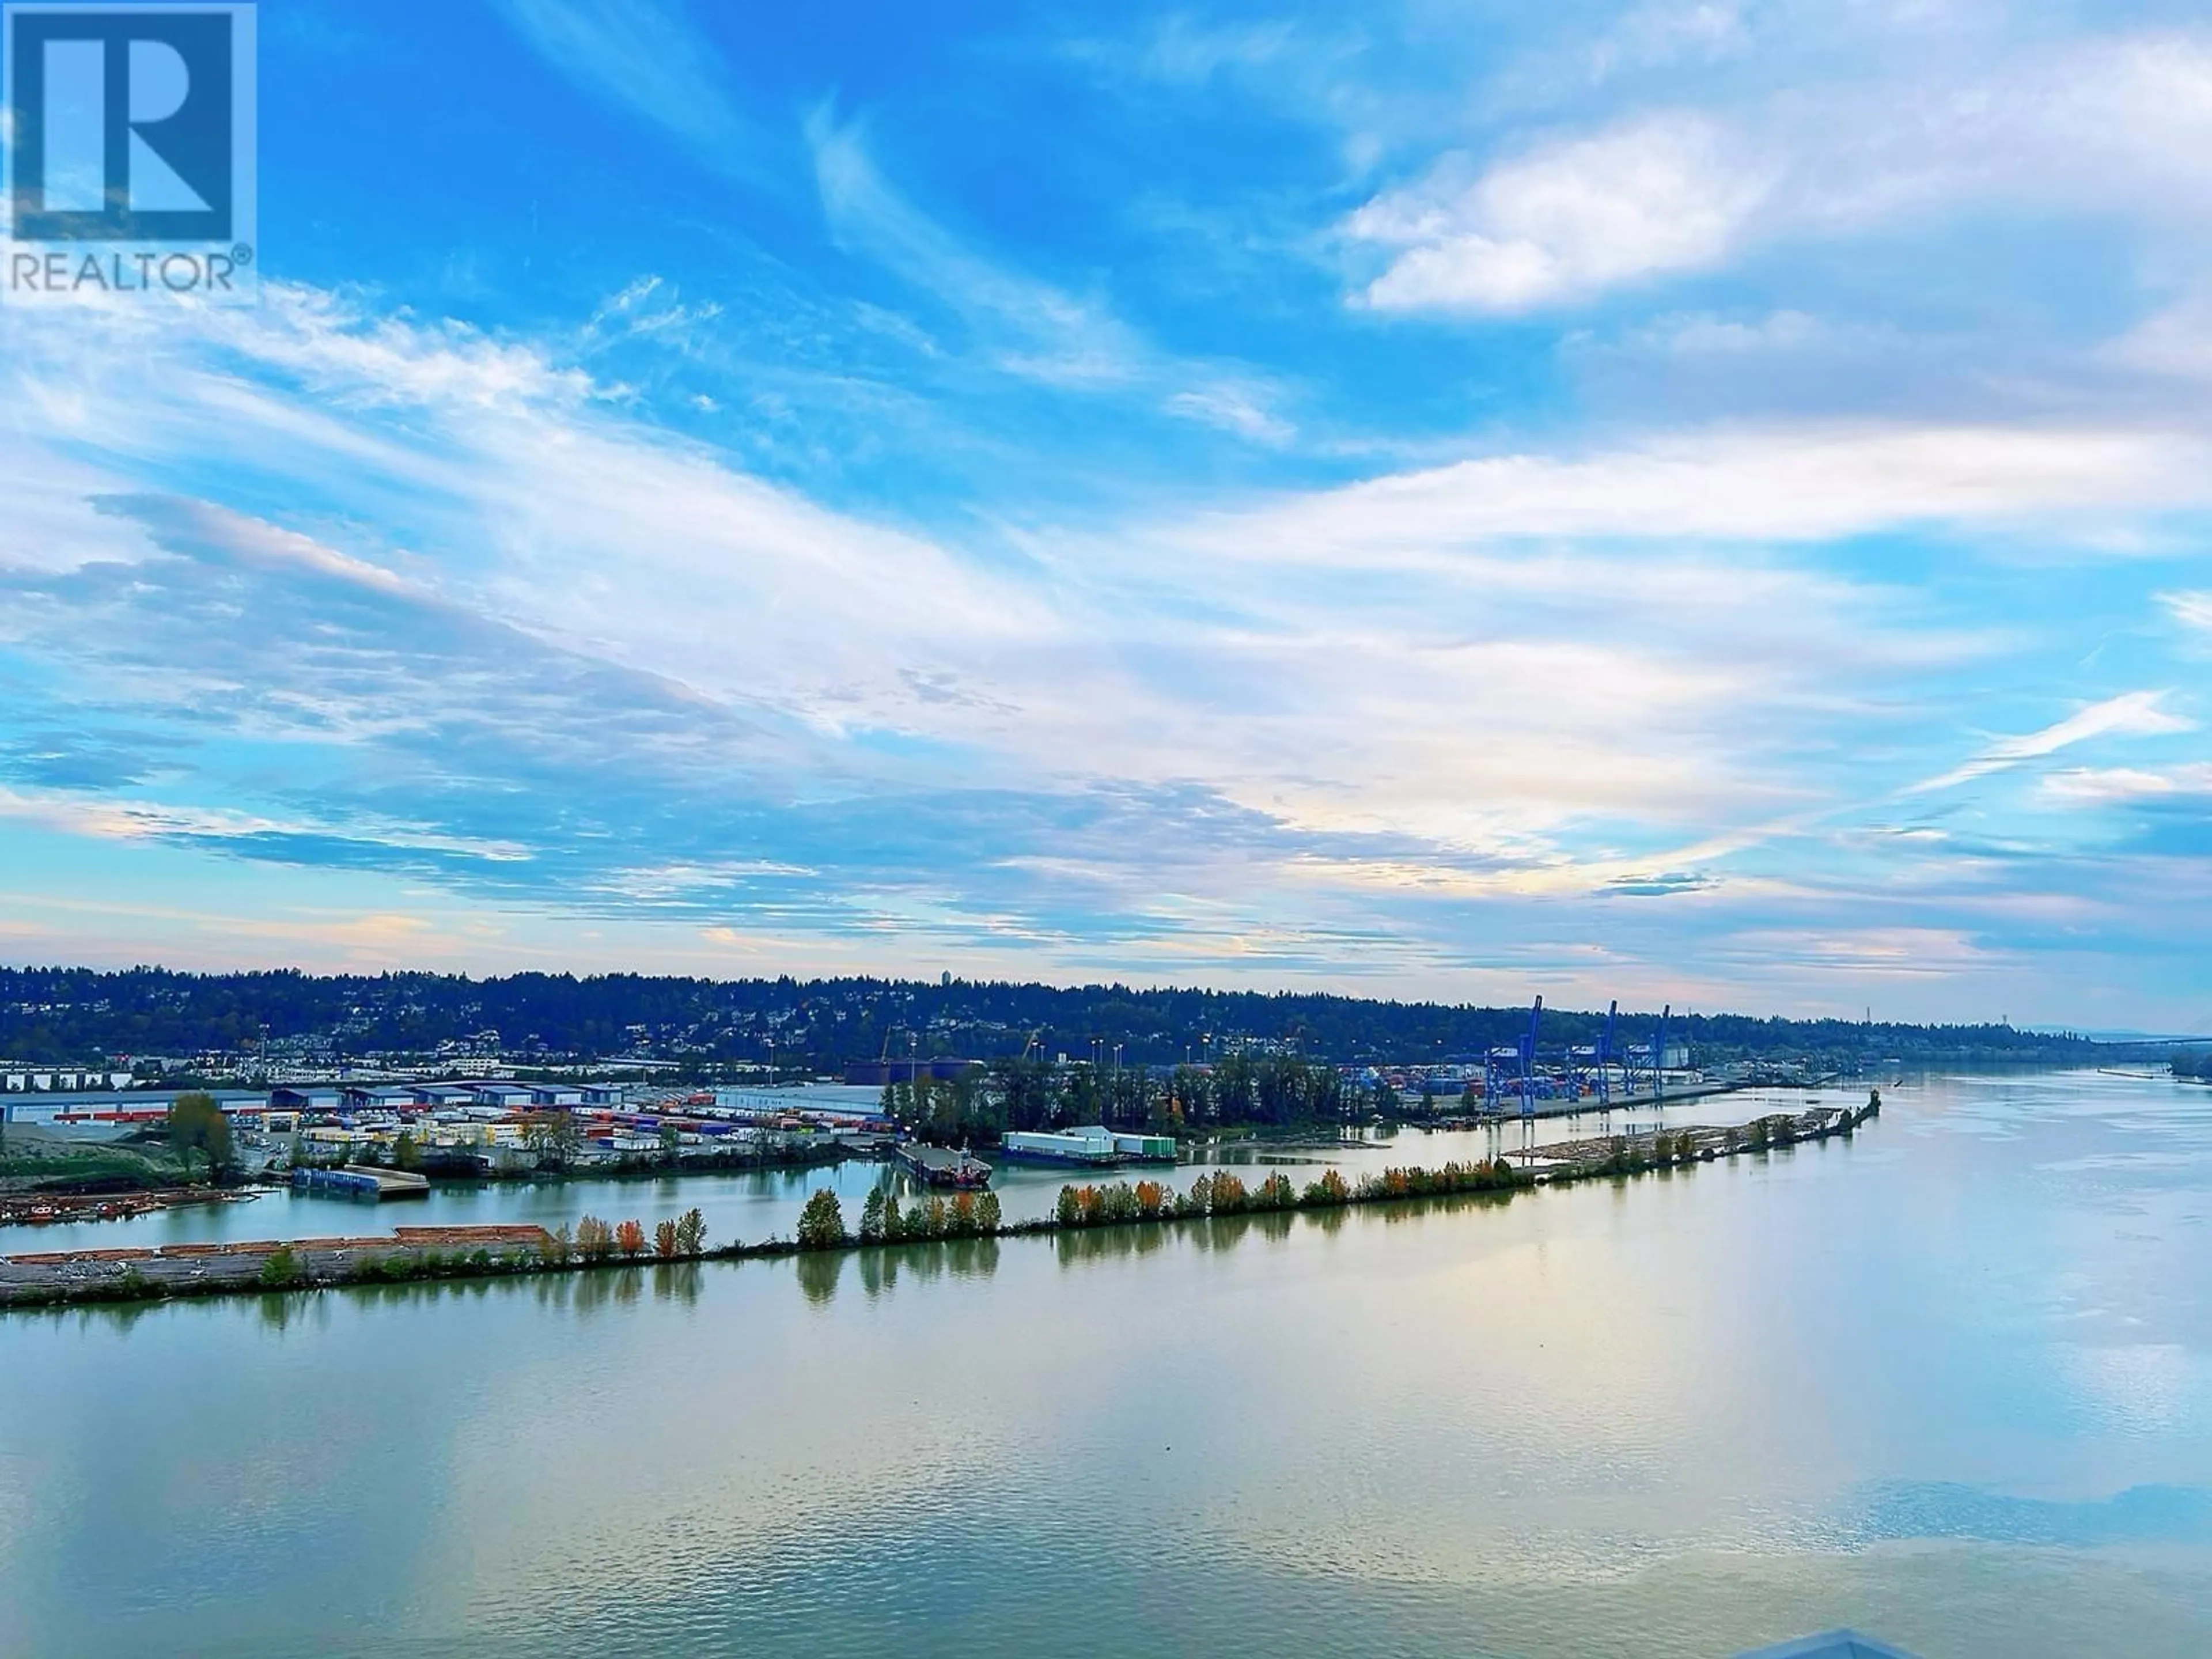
1954,1380
1226,1232
676,1281
819,1271
88,1318
1101,1243
279,1310
879,1269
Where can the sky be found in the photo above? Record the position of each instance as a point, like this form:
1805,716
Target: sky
1701,502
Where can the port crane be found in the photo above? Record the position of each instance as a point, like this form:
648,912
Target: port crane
1529,1061
1601,1061
1656,1059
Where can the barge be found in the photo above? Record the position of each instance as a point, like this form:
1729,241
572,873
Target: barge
936,1167
359,1182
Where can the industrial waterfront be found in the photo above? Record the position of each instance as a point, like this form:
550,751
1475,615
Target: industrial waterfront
1950,1379
753,1204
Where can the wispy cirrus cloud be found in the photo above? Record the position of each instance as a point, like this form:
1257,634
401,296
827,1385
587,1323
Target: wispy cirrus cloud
2132,713
2113,786
1788,482
651,60
1030,328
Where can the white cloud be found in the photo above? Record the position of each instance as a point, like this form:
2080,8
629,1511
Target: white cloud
1664,192
2086,787
1788,482
2118,124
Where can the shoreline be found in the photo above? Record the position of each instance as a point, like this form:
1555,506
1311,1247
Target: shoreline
193,1271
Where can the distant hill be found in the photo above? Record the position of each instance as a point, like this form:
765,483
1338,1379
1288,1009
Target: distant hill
60,1016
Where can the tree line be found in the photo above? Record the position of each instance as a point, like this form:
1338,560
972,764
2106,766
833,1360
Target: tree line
1222,1193
60,1016
984,1103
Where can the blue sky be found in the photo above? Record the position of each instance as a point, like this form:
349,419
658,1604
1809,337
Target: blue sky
1700,502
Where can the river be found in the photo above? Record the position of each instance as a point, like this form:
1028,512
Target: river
1950,1381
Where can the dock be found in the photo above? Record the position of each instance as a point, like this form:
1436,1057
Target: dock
1585,1106
937,1166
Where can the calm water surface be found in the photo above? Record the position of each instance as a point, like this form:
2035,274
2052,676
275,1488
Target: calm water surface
1951,1382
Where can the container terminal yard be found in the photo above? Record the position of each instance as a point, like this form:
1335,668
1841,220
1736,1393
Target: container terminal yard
494,1125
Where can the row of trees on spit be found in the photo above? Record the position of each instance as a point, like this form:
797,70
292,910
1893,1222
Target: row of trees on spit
1238,1090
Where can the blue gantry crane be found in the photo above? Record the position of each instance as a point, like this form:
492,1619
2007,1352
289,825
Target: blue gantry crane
1529,1061
1515,1072
1521,1058
1604,1058
1655,1060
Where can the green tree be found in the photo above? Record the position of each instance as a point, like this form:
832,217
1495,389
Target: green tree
822,1223
405,1154
1329,1190
198,1128
872,1218
554,1136
672,1143
986,1214
691,1232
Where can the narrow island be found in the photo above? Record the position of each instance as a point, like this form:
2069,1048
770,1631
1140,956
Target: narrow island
52,1279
